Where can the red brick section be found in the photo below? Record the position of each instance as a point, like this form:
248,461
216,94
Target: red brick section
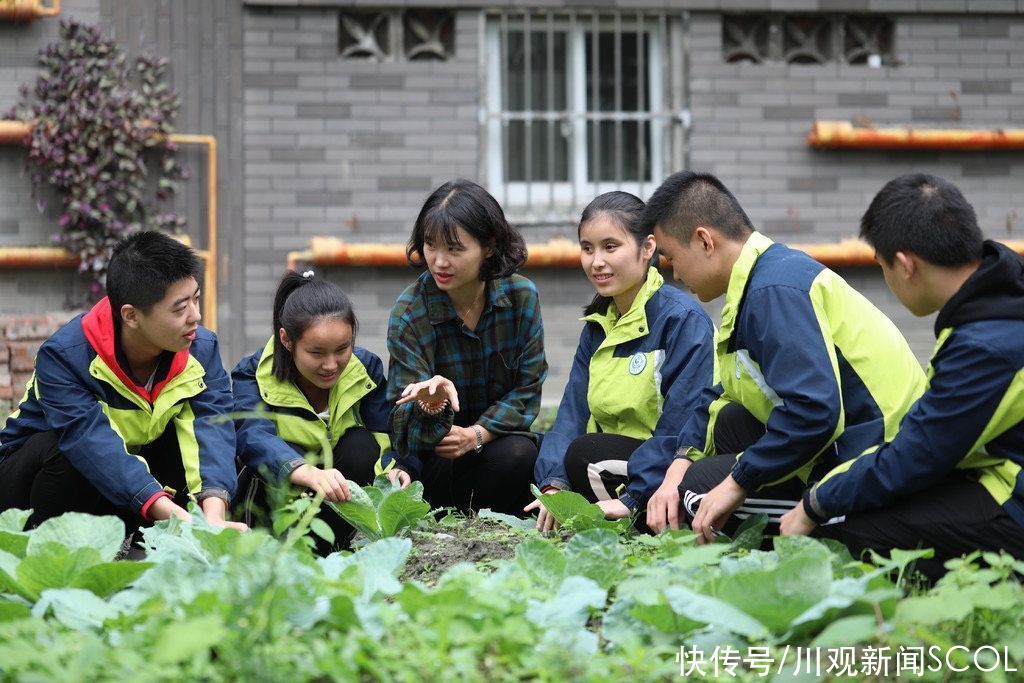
20,337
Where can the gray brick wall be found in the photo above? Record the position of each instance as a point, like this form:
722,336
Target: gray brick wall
314,145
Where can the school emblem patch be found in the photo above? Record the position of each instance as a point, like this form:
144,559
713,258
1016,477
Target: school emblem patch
637,363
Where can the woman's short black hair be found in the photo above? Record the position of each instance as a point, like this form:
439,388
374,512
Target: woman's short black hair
626,210
463,204
301,301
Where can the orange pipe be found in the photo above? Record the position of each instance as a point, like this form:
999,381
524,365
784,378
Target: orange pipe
17,132
558,253
36,257
843,135
27,10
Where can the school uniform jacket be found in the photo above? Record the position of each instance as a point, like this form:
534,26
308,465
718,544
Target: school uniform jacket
809,356
102,417
638,375
276,444
972,415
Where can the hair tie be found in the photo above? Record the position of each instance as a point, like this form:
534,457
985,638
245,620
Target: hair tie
308,275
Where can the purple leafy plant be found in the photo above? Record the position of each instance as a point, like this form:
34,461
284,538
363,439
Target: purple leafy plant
99,118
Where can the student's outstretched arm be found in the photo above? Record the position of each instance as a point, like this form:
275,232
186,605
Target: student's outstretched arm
214,437
411,361
686,374
950,421
87,438
259,446
570,421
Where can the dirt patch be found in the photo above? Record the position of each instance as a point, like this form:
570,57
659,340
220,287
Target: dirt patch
467,539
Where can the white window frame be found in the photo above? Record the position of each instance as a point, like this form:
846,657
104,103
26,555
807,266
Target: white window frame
547,201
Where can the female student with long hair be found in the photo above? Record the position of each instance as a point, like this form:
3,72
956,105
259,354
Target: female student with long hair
644,356
316,386
467,355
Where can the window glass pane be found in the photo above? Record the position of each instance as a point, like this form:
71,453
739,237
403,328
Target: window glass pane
605,77
633,143
545,86
549,152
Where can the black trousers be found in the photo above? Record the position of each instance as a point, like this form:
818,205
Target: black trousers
40,477
596,464
955,517
355,456
735,431
498,477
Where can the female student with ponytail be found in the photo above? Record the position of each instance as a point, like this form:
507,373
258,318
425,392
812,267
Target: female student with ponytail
467,355
317,385
644,356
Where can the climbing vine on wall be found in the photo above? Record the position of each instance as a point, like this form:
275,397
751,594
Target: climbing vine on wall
102,121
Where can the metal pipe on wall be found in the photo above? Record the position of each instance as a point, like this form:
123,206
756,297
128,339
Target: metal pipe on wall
18,132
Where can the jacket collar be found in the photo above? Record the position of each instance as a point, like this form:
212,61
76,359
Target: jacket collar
98,327
440,308
995,291
285,394
755,245
622,328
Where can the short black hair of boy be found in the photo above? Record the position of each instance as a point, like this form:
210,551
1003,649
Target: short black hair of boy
142,267
461,203
925,215
687,200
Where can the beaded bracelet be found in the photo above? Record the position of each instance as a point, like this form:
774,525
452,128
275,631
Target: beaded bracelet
432,409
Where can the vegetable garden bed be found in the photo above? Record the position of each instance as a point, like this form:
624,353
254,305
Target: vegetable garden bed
488,599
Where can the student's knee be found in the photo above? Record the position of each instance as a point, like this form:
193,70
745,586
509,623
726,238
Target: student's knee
518,454
357,456
578,459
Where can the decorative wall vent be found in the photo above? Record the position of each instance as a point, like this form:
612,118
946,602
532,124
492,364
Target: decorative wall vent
397,35
807,39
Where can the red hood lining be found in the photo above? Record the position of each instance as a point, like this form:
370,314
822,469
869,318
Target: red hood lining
98,326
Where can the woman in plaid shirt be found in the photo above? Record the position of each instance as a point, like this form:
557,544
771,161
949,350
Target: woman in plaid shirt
467,356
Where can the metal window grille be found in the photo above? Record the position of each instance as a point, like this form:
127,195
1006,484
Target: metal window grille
576,104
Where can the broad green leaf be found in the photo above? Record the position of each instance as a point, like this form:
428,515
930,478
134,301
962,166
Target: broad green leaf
8,577
76,608
75,530
596,554
575,512
216,541
359,512
570,606
715,612
402,508
516,523
322,529
15,543
929,610
54,567
180,641
778,595
379,564
14,520
10,611
751,532
662,617
847,631
542,561
110,577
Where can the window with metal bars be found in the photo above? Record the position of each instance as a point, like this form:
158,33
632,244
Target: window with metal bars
576,104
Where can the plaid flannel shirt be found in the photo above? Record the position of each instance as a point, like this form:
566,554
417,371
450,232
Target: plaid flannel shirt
498,368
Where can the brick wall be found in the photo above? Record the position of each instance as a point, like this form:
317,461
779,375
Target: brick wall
311,144
20,337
